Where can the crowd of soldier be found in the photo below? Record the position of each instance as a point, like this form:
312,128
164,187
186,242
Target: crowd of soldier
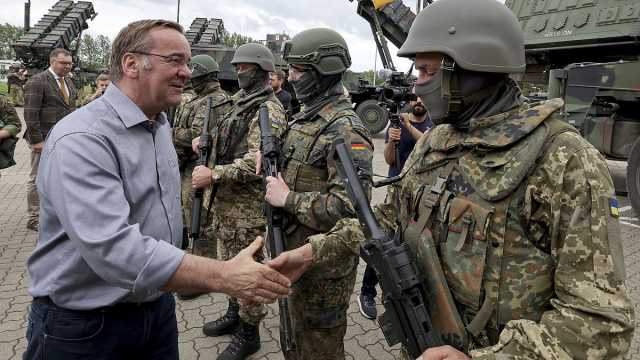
498,184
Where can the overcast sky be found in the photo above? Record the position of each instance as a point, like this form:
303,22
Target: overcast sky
254,18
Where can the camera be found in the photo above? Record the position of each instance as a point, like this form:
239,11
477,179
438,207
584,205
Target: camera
397,88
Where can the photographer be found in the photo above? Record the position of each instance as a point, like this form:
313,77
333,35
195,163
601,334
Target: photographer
412,126
102,81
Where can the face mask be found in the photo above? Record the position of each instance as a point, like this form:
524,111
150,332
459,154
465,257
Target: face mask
198,84
430,92
246,79
305,87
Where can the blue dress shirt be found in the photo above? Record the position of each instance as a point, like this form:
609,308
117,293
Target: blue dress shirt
110,215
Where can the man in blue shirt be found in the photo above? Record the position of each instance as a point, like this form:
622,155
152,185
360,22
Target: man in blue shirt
111,223
412,126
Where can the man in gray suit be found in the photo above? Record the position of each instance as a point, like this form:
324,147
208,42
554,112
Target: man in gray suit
49,96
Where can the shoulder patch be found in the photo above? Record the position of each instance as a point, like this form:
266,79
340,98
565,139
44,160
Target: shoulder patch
613,207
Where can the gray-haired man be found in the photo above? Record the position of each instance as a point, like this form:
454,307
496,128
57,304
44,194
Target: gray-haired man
110,196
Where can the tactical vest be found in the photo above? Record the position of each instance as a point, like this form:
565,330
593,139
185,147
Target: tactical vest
471,196
304,161
235,125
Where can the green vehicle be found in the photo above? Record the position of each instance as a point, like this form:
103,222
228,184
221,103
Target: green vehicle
588,53
60,27
584,51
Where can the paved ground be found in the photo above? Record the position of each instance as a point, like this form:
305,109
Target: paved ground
363,340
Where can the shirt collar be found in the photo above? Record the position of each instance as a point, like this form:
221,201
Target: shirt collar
55,76
127,110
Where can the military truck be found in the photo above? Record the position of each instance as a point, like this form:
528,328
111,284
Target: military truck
584,51
588,51
389,22
60,27
205,37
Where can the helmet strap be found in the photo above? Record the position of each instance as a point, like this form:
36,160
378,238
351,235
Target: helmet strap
451,89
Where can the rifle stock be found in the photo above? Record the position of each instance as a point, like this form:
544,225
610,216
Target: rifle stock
270,154
407,318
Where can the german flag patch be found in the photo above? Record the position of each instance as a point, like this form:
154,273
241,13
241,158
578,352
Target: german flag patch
358,146
613,207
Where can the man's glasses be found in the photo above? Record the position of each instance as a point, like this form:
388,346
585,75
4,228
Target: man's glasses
173,60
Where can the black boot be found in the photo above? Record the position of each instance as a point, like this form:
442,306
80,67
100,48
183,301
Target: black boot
227,324
245,342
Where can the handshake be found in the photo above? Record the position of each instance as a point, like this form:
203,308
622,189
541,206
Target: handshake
242,277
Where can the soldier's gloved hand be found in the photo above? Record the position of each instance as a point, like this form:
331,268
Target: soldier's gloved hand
394,134
277,191
443,352
201,177
244,278
195,145
293,263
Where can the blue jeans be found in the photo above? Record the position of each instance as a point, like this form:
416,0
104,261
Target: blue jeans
124,331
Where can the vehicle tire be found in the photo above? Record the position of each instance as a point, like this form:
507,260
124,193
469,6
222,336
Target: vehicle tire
633,177
372,115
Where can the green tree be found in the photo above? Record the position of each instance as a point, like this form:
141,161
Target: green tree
8,35
368,75
234,39
104,46
95,52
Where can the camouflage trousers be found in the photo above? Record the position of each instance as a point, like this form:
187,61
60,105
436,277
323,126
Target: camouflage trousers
232,235
16,95
319,316
206,243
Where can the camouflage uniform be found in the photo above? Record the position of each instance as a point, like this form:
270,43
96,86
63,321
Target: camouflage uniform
16,88
237,207
188,125
527,233
182,142
10,122
317,201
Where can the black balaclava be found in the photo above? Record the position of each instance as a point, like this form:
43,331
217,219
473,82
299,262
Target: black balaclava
483,95
200,83
253,80
315,90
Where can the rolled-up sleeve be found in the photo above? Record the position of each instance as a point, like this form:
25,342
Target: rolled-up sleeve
91,203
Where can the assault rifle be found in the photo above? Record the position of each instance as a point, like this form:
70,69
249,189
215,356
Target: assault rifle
407,317
198,194
270,155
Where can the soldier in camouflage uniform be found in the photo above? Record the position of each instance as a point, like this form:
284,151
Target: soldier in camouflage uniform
15,81
520,208
10,126
237,211
313,196
189,119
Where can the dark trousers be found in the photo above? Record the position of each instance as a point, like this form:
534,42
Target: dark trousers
124,331
369,282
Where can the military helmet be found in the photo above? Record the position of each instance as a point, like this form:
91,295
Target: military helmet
202,65
253,53
323,49
479,35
